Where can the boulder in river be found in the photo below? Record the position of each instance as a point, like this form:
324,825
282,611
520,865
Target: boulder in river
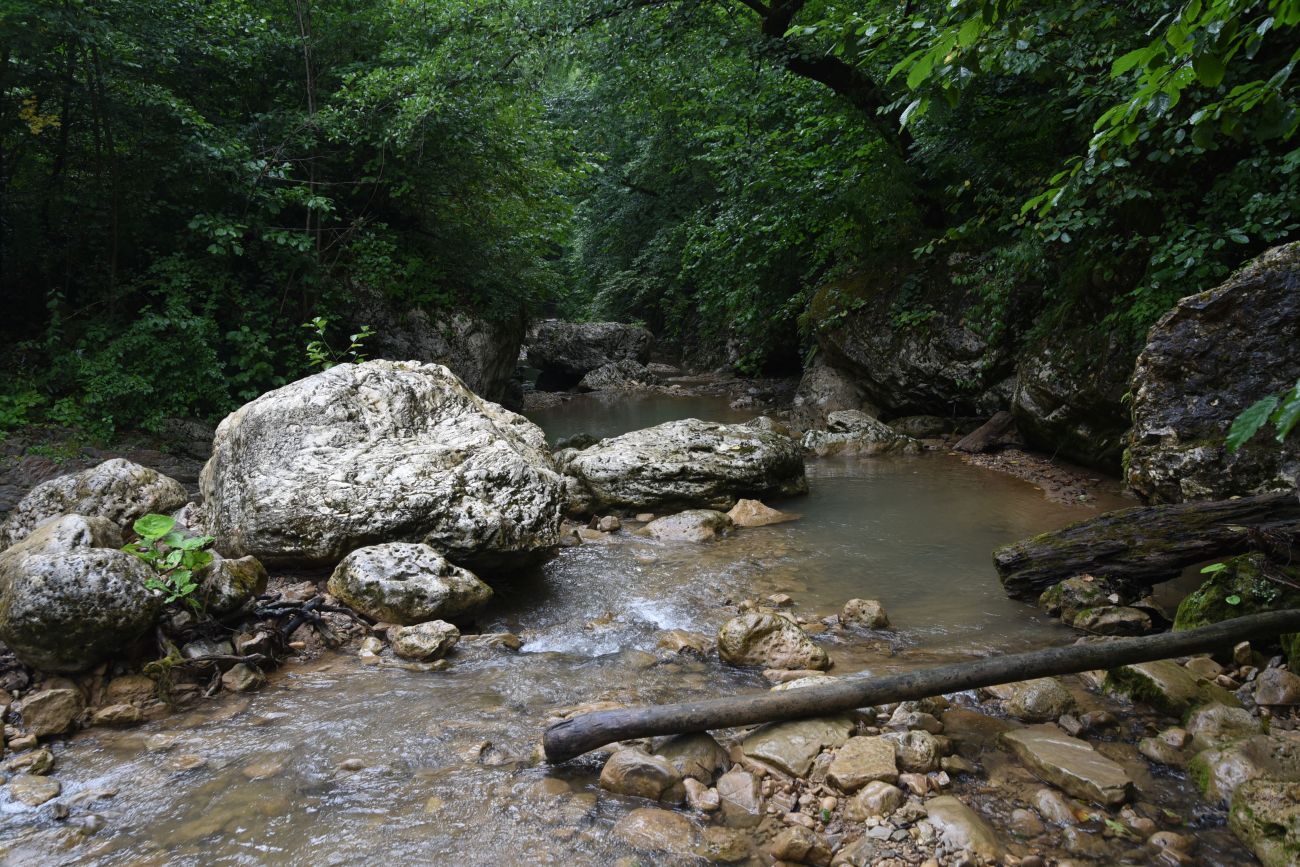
825,389
1218,772
380,452
639,774
1070,764
693,525
50,711
1212,356
614,375
406,583
752,513
68,611
1039,700
1265,816
867,613
424,641
565,352
852,433
1167,686
771,641
653,829
686,464
116,490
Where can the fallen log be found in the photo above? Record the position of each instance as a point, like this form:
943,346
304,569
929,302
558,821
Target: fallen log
983,437
573,737
1141,546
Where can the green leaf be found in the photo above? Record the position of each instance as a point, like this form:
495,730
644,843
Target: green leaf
1284,420
1209,70
1214,567
153,526
1249,422
1126,62
1234,599
920,71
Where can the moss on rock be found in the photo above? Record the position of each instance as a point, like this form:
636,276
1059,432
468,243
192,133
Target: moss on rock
1242,579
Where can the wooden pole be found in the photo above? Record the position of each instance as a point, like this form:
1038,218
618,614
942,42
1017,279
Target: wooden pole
573,737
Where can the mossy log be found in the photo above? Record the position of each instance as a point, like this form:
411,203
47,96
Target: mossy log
573,737
1143,545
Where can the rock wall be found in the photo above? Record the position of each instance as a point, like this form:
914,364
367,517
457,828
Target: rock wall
565,352
1213,355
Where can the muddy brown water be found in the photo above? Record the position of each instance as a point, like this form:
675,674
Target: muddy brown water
339,763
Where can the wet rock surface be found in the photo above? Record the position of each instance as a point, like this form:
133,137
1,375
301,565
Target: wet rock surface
853,433
1070,763
565,352
406,583
771,641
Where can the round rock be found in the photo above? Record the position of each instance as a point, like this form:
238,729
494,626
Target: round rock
407,583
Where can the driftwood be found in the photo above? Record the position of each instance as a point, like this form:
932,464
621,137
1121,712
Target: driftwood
573,737
983,437
1143,545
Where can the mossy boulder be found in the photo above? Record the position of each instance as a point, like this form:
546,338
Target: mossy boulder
1265,816
1235,591
1167,686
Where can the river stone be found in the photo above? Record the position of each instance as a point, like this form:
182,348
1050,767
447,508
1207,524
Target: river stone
67,533
803,682
131,689
1167,686
792,746
615,375
406,583
117,716
860,761
226,584
565,352
116,490
655,830
1069,763
741,797
633,772
864,612
1161,752
771,641
1113,620
380,452
32,790
36,762
874,799
424,641
1265,815
1053,807
824,389
799,845
1277,687
1218,772
752,513
1213,725
50,711
1205,361
693,525
917,752
686,464
69,611
695,755
852,433
1039,700
243,678
1067,598
962,828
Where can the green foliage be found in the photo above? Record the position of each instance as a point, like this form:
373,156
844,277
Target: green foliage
174,556
1282,411
321,356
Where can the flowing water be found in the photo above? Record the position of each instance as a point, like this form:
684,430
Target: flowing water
340,763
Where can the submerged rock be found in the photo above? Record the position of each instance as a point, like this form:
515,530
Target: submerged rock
656,830
752,513
1070,764
116,490
69,611
854,433
771,641
1205,361
406,583
380,452
33,790
1265,815
693,525
741,798
686,464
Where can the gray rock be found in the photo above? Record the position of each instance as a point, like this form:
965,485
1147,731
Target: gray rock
1113,620
1277,687
752,513
69,611
407,583
226,584
825,389
792,746
1205,361
917,752
686,464
617,375
1265,815
860,761
1039,700
771,641
116,490
741,797
632,772
693,525
653,829
962,828
380,452
1167,686
874,799
33,790
695,755
1054,807
852,433
67,533
1214,725
565,352
243,678
50,711
1069,763
867,613
1218,772
424,641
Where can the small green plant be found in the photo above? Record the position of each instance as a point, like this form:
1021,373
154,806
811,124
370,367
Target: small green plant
14,408
322,356
1283,411
174,556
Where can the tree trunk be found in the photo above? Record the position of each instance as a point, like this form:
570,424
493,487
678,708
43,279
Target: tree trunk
573,737
1141,546
982,438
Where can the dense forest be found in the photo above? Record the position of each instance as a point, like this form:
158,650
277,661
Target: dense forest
183,185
